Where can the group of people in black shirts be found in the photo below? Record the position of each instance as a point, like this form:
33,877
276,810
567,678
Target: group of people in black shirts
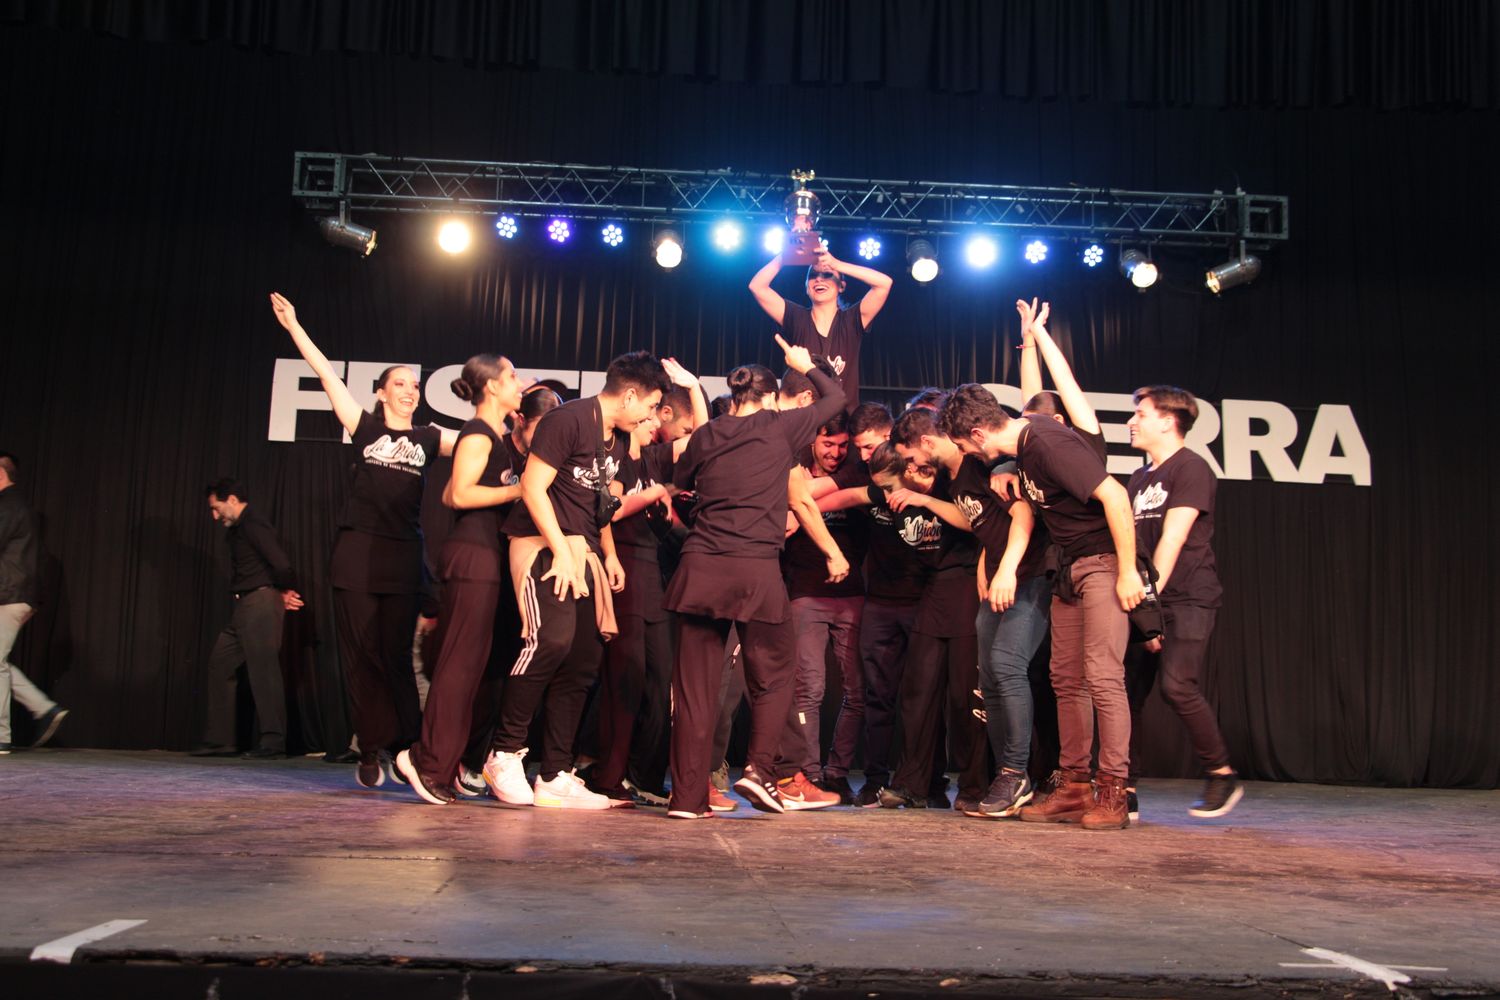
623,570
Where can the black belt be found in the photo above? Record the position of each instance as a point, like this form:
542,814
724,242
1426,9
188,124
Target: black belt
244,593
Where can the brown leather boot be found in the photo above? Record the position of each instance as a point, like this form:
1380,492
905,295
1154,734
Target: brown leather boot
1067,796
1111,807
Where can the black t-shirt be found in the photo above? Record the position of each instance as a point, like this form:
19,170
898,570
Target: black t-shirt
1183,480
1059,473
803,563
738,467
895,572
637,475
950,600
840,347
481,525
386,497
989,516
571,440
256,556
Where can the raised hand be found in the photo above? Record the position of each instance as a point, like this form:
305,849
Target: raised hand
286,313
678,374
798,359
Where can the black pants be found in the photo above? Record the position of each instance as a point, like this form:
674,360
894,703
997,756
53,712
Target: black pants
468,617
252,637
634,685
556,666
375,639
884,634
731,693
939,672
1179,667
505,646
769,656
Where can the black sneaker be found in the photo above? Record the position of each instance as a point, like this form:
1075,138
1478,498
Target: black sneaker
48,724
759,791
937,799
966,805
388,763
428,792
1132,804
1221,792
1008,793
897,798
840,787
869,796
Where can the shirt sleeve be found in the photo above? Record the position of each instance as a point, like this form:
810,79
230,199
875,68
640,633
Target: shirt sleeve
556,438
1193,485
800,426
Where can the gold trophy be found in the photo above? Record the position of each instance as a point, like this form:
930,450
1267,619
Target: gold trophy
803,241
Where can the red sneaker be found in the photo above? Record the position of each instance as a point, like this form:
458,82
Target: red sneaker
799,793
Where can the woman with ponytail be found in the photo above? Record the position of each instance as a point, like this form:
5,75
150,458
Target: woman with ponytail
377,572
473,568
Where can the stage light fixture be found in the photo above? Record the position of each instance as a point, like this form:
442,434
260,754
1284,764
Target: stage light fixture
1036,252
1240,271
869,248
348,235
667,248
981,252
559,231
612,235
1139,269
728,236
922,259
774,239
454,236
506,227
1093,255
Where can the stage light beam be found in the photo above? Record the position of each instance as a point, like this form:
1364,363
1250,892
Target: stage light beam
981,252
667,248
1093,255
869,247
1036,252
612,235
728,235
774,240
559,231
922,259
454,236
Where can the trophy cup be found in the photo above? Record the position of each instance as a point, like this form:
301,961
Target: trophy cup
802,207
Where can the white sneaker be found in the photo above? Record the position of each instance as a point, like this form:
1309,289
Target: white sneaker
506,776
567,791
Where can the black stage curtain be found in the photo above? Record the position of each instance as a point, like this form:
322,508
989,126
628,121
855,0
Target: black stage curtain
148,216
1384,54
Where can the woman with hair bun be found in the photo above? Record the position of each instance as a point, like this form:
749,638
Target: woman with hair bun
377,571
730,575
473,569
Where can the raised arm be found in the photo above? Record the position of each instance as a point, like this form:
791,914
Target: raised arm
1031,366
1079,410
344,406
879,285
799,425
765,295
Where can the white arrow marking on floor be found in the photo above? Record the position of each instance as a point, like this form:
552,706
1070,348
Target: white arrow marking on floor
63,948
1384,973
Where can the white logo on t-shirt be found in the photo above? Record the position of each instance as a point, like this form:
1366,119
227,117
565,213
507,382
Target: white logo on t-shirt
971,507
400,453
1033,492
838,364
921,532
1150,498
589,477
509,478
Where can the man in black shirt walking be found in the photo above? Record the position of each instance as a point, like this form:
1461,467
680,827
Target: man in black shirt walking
17,601
262,585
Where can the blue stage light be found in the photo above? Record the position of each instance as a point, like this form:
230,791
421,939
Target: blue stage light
774,239
506,227
559,231
612,235
728,236
1036,252
1093,255
981,252
869,248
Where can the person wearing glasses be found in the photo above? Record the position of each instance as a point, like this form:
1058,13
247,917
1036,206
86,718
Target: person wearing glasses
826,327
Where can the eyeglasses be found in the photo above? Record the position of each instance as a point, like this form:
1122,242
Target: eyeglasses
826,275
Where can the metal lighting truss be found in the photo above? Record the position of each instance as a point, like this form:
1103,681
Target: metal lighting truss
369,183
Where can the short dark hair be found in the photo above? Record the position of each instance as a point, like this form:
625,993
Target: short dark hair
912,426
885,460
720,405
970,406
638,370
679,398
1046,404
870,417
930,398
1170,399
225,487
9,464
836,424
538,400
794,382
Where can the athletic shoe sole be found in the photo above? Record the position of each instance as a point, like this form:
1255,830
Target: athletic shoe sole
685,814
510,799
1230,803
51,729
759,798
379,777
1011,810
467,791
409,772
571,803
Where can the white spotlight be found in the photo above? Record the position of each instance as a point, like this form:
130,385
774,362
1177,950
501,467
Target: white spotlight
667,248
922,259
454,236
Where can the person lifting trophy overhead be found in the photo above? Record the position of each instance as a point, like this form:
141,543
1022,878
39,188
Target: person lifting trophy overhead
827,326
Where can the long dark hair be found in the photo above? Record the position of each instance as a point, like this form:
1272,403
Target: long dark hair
377,410
749,382
478,370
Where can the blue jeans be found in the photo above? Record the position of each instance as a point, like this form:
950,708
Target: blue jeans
1007,642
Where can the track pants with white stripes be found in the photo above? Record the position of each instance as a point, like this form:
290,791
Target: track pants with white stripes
555,669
